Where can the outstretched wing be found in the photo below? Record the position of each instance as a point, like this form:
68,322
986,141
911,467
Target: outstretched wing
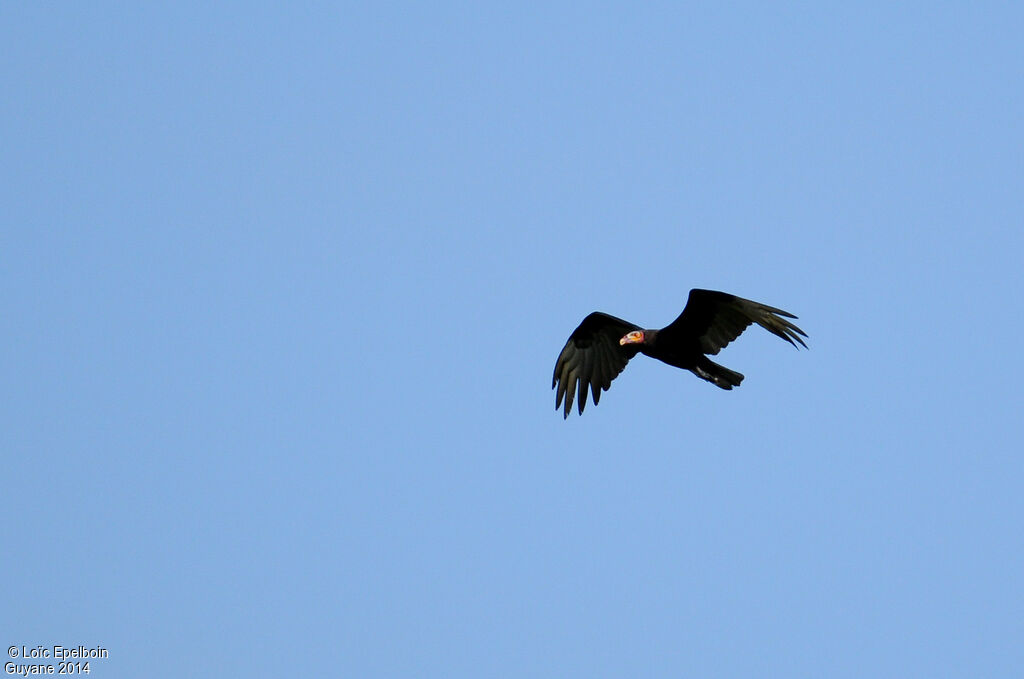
591,358
713,319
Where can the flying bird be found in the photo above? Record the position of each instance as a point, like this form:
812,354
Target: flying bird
599,349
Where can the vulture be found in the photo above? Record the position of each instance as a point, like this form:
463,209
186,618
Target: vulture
599,349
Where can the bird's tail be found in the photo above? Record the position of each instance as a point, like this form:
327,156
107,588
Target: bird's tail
718,375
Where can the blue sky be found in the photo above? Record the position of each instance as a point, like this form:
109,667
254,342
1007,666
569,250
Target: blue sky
284,286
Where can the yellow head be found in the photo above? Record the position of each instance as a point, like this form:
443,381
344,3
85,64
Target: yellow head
635,337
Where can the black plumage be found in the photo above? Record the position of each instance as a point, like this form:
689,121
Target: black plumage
599,349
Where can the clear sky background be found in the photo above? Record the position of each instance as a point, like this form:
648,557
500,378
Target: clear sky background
283,286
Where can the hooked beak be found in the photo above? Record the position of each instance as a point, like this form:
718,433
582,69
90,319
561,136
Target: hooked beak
634,337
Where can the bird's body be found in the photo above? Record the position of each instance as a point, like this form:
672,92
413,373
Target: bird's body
599,349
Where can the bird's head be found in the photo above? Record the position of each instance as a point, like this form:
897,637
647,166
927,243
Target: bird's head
635,337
